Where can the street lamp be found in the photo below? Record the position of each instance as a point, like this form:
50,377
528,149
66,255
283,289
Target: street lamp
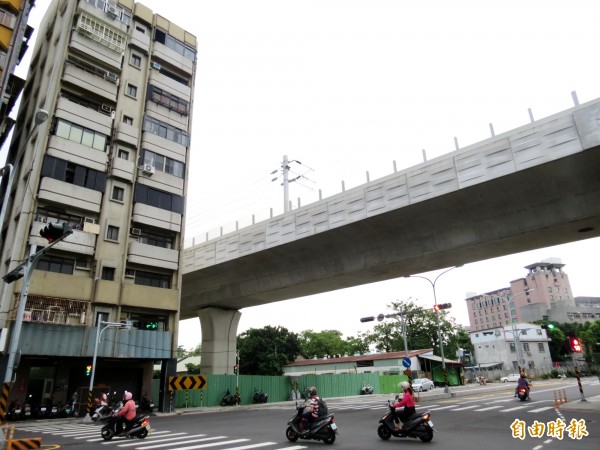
437,320
99,331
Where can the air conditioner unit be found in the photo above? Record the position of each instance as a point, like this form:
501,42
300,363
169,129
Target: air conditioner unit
111,77
106,108
136,231
112,10
155,65
148,169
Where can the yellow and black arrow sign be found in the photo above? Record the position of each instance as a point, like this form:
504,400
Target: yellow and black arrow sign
181,383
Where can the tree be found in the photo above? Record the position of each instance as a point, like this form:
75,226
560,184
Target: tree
181,352
196,351
192,368
328,342
421,330
266,350
358,344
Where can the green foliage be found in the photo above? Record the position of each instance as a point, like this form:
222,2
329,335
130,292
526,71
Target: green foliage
265,351
181,352
330,342
192,369
421,330
196,351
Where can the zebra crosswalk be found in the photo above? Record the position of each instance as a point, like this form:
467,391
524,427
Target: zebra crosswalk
158,439
502,405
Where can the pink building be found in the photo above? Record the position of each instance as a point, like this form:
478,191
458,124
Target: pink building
545,287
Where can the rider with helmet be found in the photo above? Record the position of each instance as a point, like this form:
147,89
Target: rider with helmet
407,401
311,410
126,414
523,383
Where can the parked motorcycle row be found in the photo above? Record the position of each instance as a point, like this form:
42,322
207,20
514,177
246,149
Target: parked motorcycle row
31,409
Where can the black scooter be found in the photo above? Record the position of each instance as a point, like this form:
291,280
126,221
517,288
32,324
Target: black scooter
260,396
230,399
367,389
139,427
323,428
418,426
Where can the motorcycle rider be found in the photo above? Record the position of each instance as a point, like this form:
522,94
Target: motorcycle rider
126,414
311,410
408,402
523,383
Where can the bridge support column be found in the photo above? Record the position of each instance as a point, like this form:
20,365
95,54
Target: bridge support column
219,331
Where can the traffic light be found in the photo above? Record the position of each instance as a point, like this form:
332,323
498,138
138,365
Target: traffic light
151,325
54,231
575,344
235,369
14,275
88,370
442,306
548,326
367,319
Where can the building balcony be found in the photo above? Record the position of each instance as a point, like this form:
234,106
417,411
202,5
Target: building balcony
156,217
164,53
60,192
80,242
95,82
150,255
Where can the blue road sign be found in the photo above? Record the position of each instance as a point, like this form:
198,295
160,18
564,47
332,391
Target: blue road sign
406,362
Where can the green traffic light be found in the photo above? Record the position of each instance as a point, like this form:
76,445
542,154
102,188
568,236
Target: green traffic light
550,326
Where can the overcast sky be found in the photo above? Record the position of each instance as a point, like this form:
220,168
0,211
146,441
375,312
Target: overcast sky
349,86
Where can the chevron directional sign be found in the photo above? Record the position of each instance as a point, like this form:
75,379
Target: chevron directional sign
182,383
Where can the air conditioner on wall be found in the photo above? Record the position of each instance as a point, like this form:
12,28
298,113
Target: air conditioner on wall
136,231
106,108
156,65
148,169
112,10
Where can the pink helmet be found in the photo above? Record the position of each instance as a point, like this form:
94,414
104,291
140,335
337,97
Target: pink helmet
127,395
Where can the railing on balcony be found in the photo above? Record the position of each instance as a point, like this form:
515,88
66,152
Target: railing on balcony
59,311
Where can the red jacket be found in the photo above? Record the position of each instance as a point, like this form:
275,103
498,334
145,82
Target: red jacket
407,401
128,410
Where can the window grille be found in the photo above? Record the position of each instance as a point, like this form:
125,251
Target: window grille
102,34
60,311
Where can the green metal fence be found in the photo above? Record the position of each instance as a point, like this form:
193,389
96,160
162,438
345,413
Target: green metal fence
279,388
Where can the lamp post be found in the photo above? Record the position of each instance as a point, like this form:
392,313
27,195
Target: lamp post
99,331
437,320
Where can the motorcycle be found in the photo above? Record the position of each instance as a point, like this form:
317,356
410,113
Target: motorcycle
230,399
103,409
367,389
522,393
27,413
139,427
146,405
260,396
323,428
418,426
14,411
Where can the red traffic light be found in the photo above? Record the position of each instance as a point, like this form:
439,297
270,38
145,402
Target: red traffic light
442,306
54,231
575,345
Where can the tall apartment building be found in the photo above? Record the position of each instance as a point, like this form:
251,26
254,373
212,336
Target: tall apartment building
545,288
111,160
14,37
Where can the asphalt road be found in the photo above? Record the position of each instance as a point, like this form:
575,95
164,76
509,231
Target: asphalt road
478,418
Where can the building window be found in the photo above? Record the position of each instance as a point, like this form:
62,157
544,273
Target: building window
140,29
541,348
93,29
526,347
152,279
57,264
128,120
108,273
81,135
166,131
167,100
123,154
62,170
159,199
135,60
131,90
118,193
112,233
164,164
513,349
157,239
175,44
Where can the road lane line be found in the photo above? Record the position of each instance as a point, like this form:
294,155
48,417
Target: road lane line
540,409
166,437
214,444
465,407
488,408
213,438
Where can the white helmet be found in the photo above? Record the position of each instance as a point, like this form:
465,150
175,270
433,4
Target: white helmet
404,385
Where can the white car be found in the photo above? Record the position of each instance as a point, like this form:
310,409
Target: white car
510,377
422,384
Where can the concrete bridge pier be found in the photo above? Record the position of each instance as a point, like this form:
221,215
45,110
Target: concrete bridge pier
219,331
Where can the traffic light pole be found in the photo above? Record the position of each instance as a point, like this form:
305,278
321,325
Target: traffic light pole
27,268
